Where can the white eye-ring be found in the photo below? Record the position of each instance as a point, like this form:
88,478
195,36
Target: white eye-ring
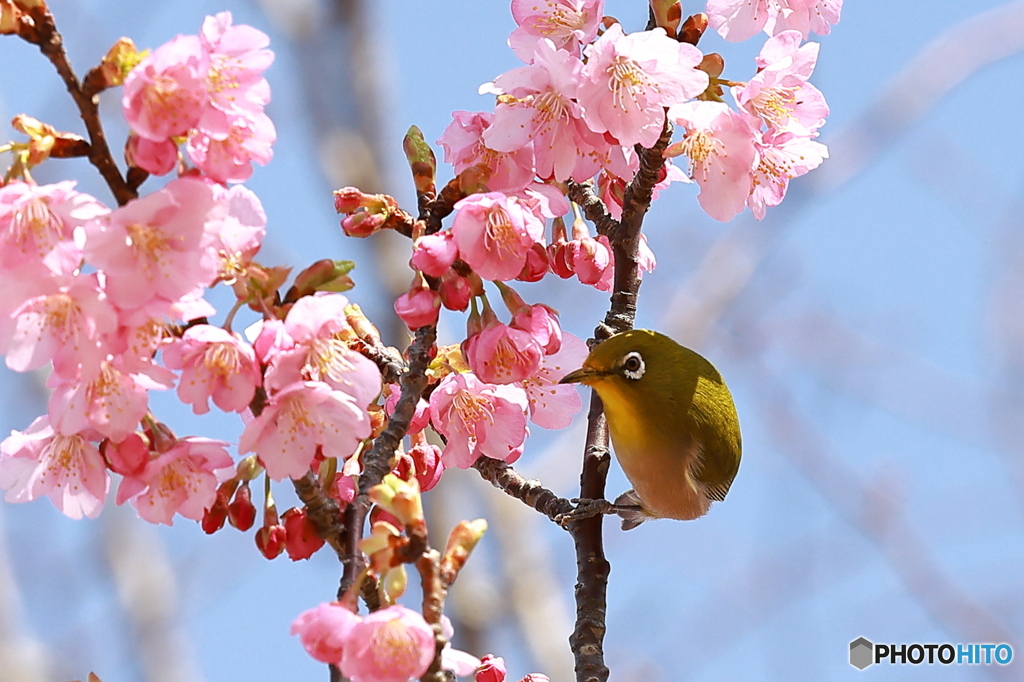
633,366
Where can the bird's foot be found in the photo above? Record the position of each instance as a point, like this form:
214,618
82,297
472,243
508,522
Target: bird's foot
587,508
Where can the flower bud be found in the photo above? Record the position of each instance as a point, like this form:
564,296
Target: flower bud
363,223
394,583
217,513
348,199
271,540
667,14
537,264
399,497
241,511
461,542
455,291
421,159
693,28
128,457
323,275
418,307
433,254
302,540
492,669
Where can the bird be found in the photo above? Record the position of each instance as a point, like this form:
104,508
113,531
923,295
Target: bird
672,421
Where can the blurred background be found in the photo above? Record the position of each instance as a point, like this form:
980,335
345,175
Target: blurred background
871,329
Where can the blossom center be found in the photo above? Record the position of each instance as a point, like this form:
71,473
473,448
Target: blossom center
472,408
394,648
147,240
36,220
326,358
222,359
499,231
700,147
775,104
62,314
561,22
628,82
62,454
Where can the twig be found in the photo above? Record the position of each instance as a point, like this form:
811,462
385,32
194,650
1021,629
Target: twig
434,592
377,462
592,206
529,491
51,44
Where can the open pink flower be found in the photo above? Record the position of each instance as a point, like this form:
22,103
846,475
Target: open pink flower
737,20
229,157
68,468
464,148
299,419
34,219
805,16
478,419
779,94
536,105
164,95
240,233
551,405
234,82
494,234
720,145
628,80
568,24
157,246
324,630
393,644
112,402
780,159
316,350
215,364
63,319
499,354
182,480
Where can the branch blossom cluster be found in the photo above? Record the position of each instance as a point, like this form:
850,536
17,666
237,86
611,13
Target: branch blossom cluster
112,301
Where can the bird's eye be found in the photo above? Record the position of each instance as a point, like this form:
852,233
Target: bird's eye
633,366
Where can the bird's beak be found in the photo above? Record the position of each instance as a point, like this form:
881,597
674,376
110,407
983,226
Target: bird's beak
582,375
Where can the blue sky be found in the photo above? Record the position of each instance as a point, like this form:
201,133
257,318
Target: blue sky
874,351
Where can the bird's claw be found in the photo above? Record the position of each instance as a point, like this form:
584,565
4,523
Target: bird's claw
585,508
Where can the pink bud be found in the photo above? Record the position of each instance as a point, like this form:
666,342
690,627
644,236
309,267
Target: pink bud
324,630
348,199
241,511
302,540
433,254
536,266
344,490
455,291
157,158
419,306
425,459
362,224
128,457
492,669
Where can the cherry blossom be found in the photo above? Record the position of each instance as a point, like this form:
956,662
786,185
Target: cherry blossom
737,20
551,405
182,480
568,24
494,234
464,148
164,95
34,219
234,81
66,467
300,418
628,80
779,159
323,631
499,354
229,157
478,419
240,233
157,246
720,145
393,644
420,305
215,364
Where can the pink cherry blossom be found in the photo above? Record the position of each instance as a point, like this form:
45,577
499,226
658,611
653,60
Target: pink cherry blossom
34,219
551,405
300,418
628,80
494,234
156,158
182,480
419,306
229,157
478,419
239,235
316,350
500,354
112,402
63,319
536,105
393,644
433,254
780,159
128,457
464,148
324,630
568,24
157,246
737,20
234,81
215,364
164,94
779,94
720,145
68,468
420,416
540,322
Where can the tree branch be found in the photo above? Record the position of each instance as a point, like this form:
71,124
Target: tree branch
529,491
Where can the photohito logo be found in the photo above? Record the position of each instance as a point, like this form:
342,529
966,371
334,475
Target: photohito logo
864,653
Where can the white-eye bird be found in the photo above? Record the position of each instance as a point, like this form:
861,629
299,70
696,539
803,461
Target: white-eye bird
672,421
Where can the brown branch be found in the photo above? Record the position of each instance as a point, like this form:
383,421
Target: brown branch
592,206
377,462
529,491
434,593
591,565
51,44
323,511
